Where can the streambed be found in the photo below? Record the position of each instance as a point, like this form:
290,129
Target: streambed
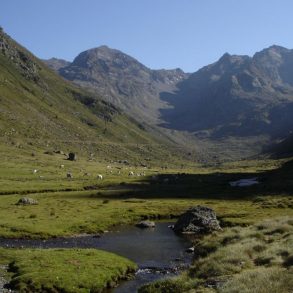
158,251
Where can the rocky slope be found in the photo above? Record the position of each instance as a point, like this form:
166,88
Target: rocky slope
56,64
236,96
122,80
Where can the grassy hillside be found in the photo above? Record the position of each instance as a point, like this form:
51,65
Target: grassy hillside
41,111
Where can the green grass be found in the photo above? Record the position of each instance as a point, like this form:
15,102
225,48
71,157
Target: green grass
257,258
85,204
64,270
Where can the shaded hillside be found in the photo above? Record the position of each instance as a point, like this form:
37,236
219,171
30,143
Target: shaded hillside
122,80
282,149
236,96
41,111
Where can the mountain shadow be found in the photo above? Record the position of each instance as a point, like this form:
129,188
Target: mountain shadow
236,96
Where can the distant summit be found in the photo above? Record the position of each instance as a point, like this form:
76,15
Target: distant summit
56,64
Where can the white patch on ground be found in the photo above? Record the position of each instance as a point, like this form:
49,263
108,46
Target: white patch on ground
244,182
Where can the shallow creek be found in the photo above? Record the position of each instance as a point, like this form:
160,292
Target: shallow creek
158,251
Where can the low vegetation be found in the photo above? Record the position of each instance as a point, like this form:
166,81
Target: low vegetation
64,270
257,258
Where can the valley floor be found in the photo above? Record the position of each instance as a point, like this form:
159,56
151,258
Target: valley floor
256,243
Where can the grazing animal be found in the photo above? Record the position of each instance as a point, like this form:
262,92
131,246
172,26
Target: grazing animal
99,176
35,171
61,166
69,175
131,173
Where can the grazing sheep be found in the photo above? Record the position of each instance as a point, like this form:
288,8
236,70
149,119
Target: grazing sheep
99,176
35,171
131,173
69,175
61,166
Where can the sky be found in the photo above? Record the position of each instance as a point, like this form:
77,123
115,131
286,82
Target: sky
185,34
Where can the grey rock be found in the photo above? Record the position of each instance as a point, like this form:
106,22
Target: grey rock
72,157
146,224
199,219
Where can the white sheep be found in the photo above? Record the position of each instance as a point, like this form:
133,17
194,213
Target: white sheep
99,176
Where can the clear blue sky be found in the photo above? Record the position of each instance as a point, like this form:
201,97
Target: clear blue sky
159,33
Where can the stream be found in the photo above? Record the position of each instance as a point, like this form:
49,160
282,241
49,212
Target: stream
158,252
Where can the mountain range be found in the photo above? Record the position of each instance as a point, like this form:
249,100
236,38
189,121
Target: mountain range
239,103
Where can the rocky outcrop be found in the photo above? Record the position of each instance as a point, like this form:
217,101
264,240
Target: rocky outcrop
199,219
27,66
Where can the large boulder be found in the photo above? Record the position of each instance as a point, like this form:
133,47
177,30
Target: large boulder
72,157
199,219
27,201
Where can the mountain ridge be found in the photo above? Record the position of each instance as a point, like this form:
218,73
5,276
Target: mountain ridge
236,98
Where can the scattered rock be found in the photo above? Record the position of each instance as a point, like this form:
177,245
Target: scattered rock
190,250
72,157
146,224
27,201
199,219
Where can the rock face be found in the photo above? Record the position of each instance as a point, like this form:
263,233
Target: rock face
121,80
27,201
22,59
236,96
199,219
146,224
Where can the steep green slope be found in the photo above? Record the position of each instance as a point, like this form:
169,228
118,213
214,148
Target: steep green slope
40,110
